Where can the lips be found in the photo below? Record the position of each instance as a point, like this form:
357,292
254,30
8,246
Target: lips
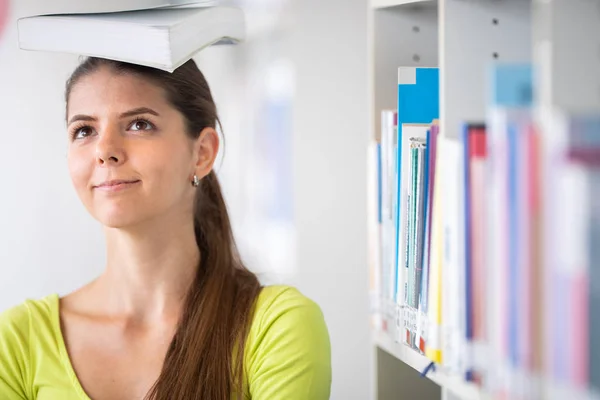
116,184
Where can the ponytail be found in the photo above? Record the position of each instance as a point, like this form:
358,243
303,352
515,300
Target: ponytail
217,313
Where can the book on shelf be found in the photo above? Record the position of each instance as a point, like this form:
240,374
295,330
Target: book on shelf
382,180
418,107
474,142
570,256
512,236
490,242
375,212
414,144
453,283
434,309
163,38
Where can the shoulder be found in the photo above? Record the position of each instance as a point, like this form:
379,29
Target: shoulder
17,320
14,322
19,326
287,306
278,298
288,348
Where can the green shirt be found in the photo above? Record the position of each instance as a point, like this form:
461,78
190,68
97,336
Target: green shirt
287,355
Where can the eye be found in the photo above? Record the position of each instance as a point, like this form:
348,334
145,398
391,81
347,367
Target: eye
141,125
82,132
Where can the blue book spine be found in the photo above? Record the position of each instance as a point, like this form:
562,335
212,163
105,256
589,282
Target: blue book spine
424,262
418,102
513,245
379,186
467,244
512,89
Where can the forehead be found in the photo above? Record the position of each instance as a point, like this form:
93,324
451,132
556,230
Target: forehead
106,92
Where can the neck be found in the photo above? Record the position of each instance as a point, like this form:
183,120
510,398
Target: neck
150,268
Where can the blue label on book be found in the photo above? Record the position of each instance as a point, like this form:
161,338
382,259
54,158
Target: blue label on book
512,85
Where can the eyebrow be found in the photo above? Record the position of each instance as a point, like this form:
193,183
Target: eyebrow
126,114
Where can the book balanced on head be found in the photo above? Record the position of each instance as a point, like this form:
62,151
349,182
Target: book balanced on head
162,34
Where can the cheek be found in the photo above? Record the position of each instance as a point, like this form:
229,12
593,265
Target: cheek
165,172
80,170
169,178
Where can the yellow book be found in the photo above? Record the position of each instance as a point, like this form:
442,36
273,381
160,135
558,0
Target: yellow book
434,337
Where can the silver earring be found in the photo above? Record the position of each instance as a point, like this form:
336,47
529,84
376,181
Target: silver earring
196,181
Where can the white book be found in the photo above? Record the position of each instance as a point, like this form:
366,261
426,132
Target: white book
160,38
453,292
436,271
49,7
389,143
374,236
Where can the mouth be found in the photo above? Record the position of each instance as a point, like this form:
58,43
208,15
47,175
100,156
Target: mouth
117,185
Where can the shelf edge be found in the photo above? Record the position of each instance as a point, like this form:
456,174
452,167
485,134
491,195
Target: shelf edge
460,388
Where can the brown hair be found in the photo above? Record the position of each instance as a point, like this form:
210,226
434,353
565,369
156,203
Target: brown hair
205,358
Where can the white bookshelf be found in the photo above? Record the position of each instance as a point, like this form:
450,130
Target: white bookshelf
418,362
462,37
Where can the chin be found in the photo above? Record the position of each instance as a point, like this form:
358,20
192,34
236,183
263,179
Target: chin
118,222
120,218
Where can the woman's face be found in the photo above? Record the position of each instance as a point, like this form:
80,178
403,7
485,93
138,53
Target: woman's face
129,157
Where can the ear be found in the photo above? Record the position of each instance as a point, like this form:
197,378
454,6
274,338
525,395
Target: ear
206,148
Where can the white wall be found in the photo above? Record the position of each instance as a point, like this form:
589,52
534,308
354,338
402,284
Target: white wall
48,243
329,50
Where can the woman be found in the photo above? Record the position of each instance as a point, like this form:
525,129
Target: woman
175,315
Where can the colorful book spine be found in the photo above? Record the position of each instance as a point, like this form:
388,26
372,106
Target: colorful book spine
429,168
593,317
515,288
475,149
571,163
412,225
435,309
415,136
508,121
534,343
584,151
418,102
415,236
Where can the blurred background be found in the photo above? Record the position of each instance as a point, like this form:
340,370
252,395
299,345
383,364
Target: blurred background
289,99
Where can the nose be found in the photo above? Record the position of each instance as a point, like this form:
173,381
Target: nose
109,147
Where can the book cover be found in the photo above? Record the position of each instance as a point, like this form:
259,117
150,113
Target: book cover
418,102
163,38
105,6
